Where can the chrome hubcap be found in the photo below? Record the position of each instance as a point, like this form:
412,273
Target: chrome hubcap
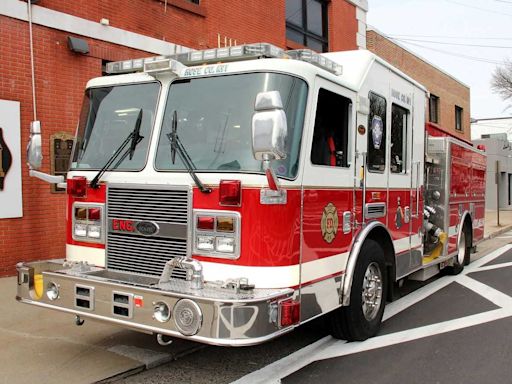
372,291
461,248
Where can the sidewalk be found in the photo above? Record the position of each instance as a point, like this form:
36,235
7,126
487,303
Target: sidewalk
491,228
44,346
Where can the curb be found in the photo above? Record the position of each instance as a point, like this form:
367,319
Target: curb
500,231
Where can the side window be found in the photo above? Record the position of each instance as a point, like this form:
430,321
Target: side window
377,134
330,137
399,117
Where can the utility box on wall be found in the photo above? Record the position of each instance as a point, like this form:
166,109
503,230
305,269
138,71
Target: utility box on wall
10,160
61,146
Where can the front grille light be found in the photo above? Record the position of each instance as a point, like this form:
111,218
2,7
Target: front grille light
88,222
221,237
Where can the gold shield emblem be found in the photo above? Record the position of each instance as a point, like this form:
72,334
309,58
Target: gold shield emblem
329,223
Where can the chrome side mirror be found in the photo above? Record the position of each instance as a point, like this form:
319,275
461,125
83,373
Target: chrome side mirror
269,127
34,151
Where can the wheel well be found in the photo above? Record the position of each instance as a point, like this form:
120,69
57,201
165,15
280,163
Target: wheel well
381,237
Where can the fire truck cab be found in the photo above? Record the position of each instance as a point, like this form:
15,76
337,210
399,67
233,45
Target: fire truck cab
229,195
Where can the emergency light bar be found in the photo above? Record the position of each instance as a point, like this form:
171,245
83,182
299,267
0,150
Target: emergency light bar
316,59
148,64
218,55
238,52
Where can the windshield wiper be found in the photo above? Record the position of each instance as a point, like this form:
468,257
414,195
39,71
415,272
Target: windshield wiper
177,146
133,138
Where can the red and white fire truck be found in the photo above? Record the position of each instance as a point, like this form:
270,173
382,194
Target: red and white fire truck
227,196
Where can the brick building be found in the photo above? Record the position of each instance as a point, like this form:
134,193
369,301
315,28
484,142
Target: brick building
449,98
117,30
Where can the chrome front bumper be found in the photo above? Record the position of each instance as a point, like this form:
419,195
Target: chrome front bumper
226,318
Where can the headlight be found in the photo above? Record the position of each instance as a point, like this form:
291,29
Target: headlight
52,291
225,244
89,222
161,312
205,243
81,230
217,234
94,231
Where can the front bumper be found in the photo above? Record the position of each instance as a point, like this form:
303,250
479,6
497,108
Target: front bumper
226,317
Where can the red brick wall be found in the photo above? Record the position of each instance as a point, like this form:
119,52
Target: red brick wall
449,91
60,80
342,26
61,77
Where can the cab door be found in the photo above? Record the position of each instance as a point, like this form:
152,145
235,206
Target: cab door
327,197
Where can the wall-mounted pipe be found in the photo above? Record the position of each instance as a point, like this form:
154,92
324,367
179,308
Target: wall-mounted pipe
32,66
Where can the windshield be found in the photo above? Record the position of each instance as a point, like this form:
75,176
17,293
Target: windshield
109,115
214,117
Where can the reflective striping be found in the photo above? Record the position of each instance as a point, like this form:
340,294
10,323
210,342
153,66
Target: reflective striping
278,277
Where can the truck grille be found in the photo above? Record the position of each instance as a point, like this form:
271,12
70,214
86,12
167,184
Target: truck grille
137,253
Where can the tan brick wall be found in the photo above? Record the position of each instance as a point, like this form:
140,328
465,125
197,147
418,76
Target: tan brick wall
449,91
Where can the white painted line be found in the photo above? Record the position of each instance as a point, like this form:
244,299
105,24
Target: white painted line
489,293
494,266
343,349
486,259
273,373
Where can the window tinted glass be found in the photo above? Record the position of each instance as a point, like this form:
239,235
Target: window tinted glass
294,12
399,117
315,17
306,23
330,138
377,134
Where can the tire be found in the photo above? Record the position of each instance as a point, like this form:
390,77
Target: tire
463,253
362,318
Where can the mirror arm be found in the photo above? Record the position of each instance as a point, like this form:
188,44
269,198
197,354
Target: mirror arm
273,181
46,177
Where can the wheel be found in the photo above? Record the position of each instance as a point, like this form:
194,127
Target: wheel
463,253
362,318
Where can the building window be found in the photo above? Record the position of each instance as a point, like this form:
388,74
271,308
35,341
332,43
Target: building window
434,109
399,117
377,134
194,1
330,137
458,118
306,23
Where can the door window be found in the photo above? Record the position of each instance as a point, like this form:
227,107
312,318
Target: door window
377,134
330,137
399,117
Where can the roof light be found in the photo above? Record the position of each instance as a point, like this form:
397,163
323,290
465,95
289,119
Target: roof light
230,192
77,186
238,52
148,64
162,65
316,59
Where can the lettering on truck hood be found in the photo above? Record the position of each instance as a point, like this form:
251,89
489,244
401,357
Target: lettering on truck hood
204,70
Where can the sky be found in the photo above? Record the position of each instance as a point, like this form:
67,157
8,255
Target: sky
462,30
